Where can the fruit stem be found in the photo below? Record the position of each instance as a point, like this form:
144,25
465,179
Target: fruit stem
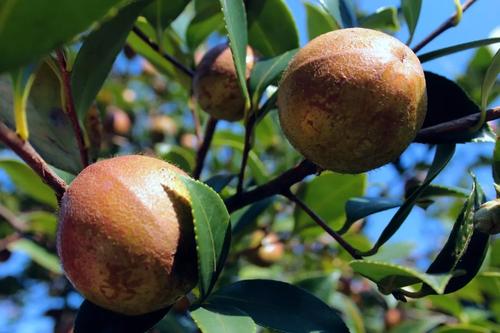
449,23
70,108
165,55
29,155
204,147
319,221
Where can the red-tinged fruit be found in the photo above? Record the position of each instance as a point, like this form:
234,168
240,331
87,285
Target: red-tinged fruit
125,236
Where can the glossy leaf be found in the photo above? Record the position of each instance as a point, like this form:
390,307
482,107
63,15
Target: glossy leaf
212,230
466,246
30,30
236,26
390,277
160,13
219,182
441,158
411,11
276,305
97,55
327,195
456,48
358,208
446,102
269,36
93,318
207,20
28,182
462,328
38,254
318,21
444,191
490,79
342,11
249,217
213,322
385,18
51,133
267,72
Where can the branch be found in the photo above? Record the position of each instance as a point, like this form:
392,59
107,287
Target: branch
449,23
246,150
461,124
33,159
11,218
167,56
205,145
319,221
70,109
276,186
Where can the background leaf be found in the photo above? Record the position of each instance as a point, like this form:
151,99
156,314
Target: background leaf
385,18
456,48
318,21
490,79
342,11
38,254
212,230
160,13
276,305
213,322
97,55
268,35
29,30
206,20
411,11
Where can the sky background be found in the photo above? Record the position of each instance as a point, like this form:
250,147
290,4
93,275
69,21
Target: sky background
477,23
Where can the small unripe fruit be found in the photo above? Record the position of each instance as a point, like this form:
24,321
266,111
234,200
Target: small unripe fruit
267,249
352,100
125,236
215,83
117,121
162,126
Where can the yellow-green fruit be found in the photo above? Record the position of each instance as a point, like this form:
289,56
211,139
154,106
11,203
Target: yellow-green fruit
125,236
352,100
215,83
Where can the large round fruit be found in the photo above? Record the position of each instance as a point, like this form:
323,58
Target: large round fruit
352,100
215,83
125,237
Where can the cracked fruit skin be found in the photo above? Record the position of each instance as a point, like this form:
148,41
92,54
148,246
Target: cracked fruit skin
125,236
352,100
215,83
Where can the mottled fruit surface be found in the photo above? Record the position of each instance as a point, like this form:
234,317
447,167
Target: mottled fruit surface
125,237
215,83
352,100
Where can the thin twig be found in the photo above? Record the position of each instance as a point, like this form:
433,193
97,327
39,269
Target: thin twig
246,150
449,23
273,187
33,159
11,218
319,221
70,109
204,147
461,124
165,55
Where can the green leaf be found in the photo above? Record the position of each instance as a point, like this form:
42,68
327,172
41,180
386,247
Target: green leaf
212,230
269,36
444,191
51,133
342,11
206,21
327,195
219,182
267,72
390,277
466,247
38,254
496,164
385,18
418,326
249,217
161,13
318,21
93,318
456,48
97,55
441,159
411,11
41,222
30,30
236,26
276,305
446,101
490,79
462,328
22,81
358,208
182,157
213,322
28,182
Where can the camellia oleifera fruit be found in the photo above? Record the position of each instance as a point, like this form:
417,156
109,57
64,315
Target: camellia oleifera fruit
125,236
352,100
215,83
